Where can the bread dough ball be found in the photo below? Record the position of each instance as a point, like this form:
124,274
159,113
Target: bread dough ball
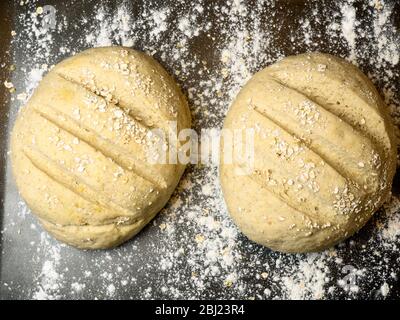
80,147
324,154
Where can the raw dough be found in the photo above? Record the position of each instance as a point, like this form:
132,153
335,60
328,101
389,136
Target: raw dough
325,154
79,147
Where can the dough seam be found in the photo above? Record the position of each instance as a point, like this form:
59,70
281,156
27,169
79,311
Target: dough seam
311,99
107,148
286,201
291,203
365,133
352,175
71,182
143,122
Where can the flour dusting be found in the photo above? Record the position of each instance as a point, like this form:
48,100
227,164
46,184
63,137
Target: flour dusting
192,249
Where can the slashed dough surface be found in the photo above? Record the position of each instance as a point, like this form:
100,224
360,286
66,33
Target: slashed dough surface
324,154
80,146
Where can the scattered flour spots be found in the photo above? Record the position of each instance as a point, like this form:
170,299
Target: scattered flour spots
385,289
212,49
77,287
50,280
349,28
110,290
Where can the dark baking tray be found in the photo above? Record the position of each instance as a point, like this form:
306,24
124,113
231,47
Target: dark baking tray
22,263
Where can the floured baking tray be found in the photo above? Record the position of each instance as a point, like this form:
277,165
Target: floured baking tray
192,249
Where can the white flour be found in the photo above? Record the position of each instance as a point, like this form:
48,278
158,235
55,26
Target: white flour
349,28
193,248
50,280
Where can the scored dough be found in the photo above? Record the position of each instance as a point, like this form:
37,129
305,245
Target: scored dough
324,159
80,146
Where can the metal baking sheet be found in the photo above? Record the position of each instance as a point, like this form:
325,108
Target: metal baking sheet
192,249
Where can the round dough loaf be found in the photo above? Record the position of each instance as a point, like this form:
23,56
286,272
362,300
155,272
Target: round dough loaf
324,154
80,146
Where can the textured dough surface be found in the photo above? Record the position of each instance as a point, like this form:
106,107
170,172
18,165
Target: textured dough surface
325,154
80,146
